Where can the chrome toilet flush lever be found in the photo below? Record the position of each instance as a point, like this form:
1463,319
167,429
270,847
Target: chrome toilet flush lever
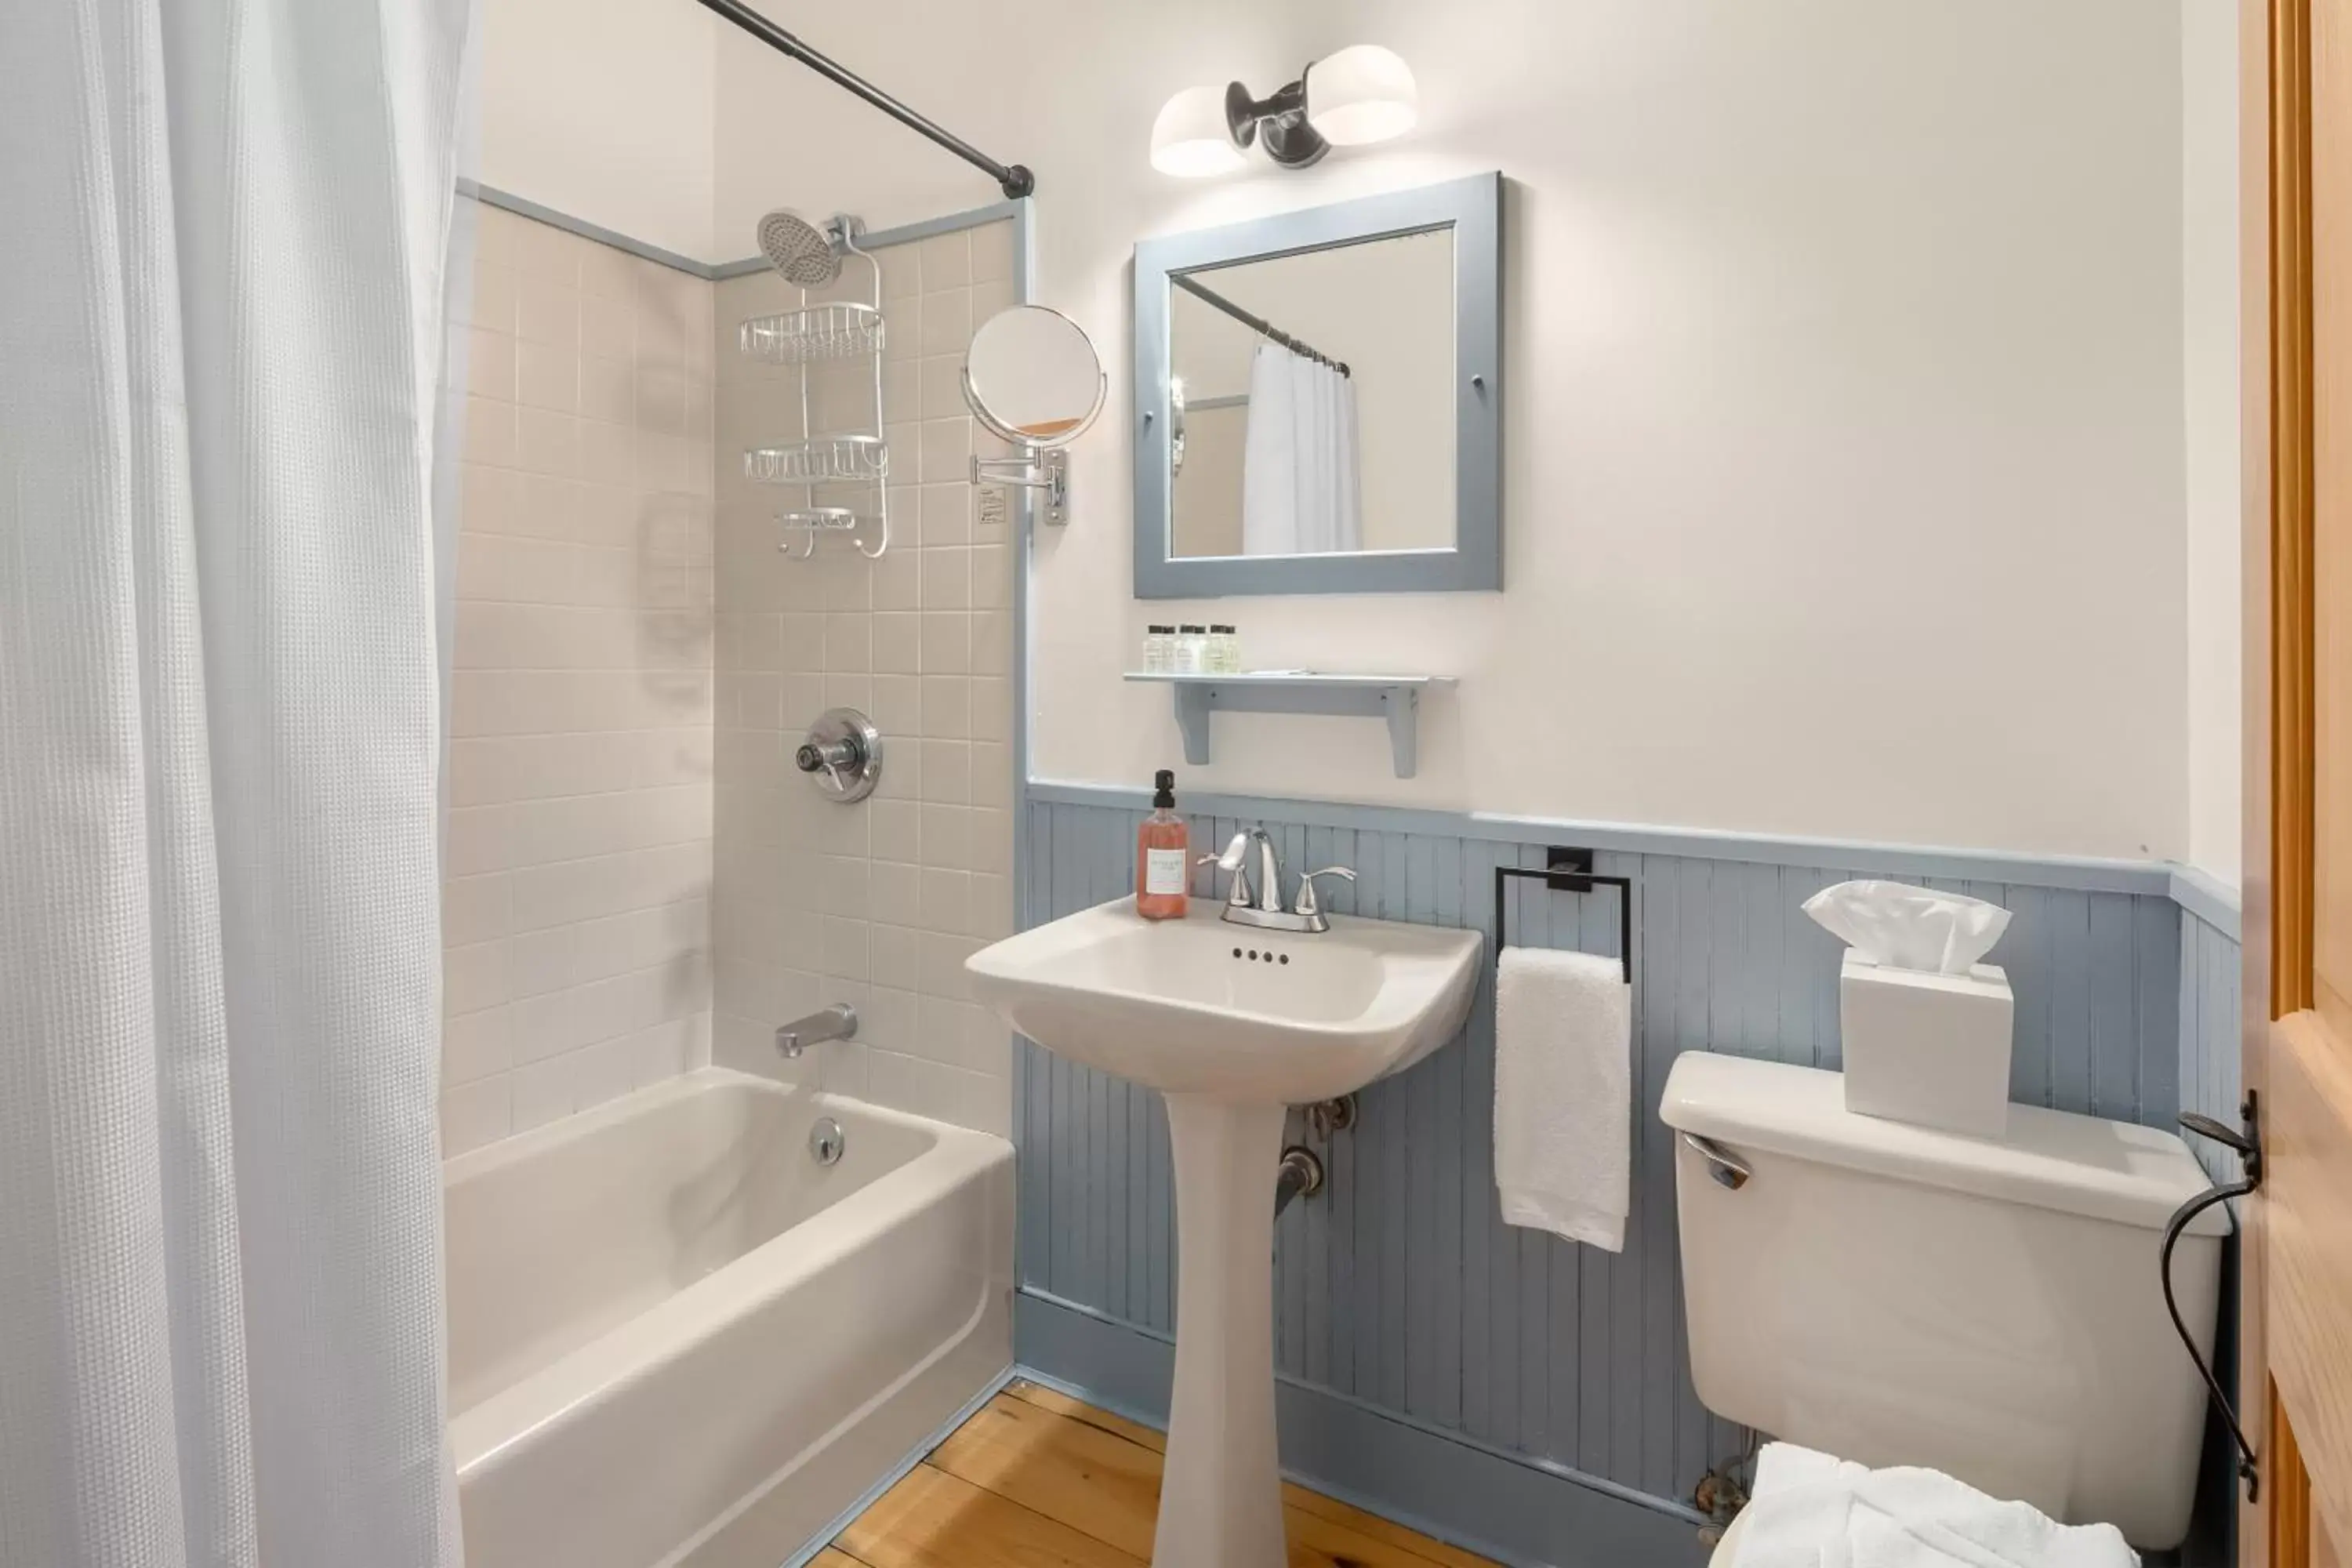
1725,1168
1264,909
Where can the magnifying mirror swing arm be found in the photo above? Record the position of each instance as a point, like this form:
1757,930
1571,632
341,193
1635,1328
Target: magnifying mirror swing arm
1040,463
1038,467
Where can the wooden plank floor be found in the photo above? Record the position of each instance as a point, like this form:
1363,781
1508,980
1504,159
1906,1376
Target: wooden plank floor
1036,1479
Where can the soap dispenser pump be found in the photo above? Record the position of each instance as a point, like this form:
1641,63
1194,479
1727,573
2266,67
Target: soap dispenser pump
1162,848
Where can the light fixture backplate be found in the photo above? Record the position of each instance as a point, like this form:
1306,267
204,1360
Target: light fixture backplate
1280,119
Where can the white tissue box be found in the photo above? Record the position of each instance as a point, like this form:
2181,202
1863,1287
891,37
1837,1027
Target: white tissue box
1926,1048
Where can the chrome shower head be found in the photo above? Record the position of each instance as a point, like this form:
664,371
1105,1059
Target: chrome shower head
798,249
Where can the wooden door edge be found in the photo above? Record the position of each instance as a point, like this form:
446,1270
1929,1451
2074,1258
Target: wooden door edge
2256,326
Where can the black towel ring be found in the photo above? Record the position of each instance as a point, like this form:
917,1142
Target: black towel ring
1570,871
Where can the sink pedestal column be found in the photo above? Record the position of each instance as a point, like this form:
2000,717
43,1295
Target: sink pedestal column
1221,1494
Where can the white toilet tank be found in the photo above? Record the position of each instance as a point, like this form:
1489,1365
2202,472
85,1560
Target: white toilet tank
1988,1308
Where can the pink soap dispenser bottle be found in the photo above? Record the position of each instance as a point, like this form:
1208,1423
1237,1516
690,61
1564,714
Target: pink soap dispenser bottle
1162,846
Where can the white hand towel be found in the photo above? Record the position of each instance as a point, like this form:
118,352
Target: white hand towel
1564,1093
1811,1511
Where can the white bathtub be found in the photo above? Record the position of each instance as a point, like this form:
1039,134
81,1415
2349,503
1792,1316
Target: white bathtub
675,1338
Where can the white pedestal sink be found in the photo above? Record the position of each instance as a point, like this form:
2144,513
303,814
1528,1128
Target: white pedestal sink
1232,1025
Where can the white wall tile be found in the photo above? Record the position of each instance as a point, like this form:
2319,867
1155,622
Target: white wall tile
939,381
548,314
490,364
947,259
947,772
992,642
992,577
493,301
947,578
577,884
476,1113
477,1045
899,704
947,642
897,580
946,320
877,904
547,376
947,456
992,707
991,254
472,976
947,514
542,1092
474,909
898,643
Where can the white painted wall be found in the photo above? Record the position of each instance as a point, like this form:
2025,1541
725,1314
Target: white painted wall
1845,373
2209,163
604,110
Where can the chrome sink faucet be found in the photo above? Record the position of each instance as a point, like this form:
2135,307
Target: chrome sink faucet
1265,911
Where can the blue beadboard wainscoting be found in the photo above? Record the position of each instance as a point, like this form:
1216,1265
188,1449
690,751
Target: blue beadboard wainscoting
1499,1386
2209,1015
2210,1028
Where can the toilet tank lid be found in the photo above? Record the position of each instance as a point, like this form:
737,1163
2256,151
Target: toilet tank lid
2116,1171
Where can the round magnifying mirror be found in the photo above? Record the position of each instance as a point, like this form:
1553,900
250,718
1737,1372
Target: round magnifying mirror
1032,375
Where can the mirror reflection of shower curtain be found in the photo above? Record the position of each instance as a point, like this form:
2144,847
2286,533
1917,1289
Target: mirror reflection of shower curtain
1299,490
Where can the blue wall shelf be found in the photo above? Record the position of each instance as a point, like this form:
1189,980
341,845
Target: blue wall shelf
1394,698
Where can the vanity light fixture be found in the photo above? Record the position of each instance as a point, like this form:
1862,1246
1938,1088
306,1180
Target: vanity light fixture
1190,138
1364,93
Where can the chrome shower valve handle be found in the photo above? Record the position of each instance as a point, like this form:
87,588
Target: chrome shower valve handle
842,754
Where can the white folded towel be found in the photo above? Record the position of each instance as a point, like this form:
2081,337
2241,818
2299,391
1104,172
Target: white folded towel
1811,1511
1564,1093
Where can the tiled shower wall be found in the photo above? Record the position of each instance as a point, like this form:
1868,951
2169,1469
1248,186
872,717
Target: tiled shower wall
876,904
577,874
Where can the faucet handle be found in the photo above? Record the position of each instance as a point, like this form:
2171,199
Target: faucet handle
1307,904
1235,861
1236,853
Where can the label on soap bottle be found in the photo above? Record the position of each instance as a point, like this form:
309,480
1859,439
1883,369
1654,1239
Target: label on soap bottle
1163,870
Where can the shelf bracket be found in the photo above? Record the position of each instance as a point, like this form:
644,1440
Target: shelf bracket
1403,706
1397,704
1193,706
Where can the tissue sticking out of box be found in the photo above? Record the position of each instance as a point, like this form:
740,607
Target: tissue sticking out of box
1902,927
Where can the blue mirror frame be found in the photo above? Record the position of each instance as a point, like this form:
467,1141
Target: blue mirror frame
1472,209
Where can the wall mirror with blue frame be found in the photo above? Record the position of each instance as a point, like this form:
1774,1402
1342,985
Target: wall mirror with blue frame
1318,400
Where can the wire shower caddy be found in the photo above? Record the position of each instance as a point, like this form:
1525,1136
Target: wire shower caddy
839,330
819,334
819,461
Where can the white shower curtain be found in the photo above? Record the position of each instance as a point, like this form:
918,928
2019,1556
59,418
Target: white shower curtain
1298,459
223,232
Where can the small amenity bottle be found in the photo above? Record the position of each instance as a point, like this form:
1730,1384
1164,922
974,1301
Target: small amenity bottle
1158,650
1192,650
1161,855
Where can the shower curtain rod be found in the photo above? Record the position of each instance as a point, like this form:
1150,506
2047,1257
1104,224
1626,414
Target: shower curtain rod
1011,178
1258,324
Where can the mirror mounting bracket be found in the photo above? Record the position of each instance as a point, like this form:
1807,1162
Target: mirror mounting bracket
1042,469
